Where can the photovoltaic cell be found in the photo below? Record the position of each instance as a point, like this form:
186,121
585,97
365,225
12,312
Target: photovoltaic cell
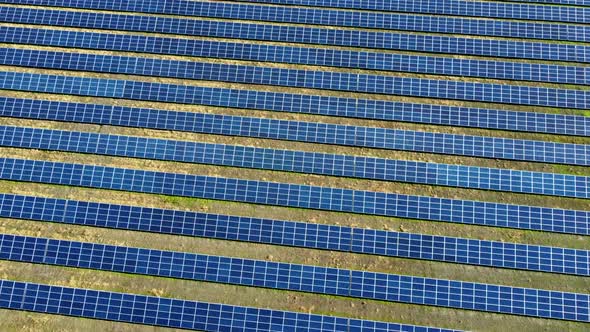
298,55
328,17
297,78
299,234
342,107
295,195
557,2
338,37
296,277
520,11
299,161
310,132
167,312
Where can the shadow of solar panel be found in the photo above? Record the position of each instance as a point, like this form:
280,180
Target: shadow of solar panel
338,81
300,196
296,277
327,17
353,38
292,55
309,132
521,11
158,311
299,234
299,161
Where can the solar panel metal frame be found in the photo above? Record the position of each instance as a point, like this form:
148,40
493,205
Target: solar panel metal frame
168,312
298,161
299,78
347,38
298,234
517,71
348,19
297,277
296,195
310,132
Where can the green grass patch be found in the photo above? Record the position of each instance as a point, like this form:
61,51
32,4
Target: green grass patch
586,113
185,202
571,170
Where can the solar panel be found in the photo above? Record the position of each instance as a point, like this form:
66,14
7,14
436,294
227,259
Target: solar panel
556,2
490,9
295,195
298,234
167,312
307,56
298,78
310,132
349,38
296,277
327,17
343,107
299,161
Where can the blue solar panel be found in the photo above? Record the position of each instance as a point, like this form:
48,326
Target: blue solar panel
556,2
158,311
310,132
448,7
301,196
326,17
297,55
299,234
296,277
368,109
338,81
299,161
349,38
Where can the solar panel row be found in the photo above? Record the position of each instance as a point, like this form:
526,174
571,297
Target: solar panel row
295,195
368,109
307,56
338,81
318,36
310,132
557,2
151,310
371,20
296,277
298,161
298,234
521,11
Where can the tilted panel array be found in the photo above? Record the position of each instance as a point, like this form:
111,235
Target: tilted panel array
492,9
176,313
299,161
299,234
311,132
354,38
338,81
351,19
296,277
550,73
342,107
295,195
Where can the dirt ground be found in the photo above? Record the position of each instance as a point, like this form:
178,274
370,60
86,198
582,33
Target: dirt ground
285,300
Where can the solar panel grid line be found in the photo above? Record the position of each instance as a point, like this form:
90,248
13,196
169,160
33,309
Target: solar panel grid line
308,56
332,37
311,132
342,107
168,312
520,11
298,234
295,195
297,277
299,78
298,161
369,20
